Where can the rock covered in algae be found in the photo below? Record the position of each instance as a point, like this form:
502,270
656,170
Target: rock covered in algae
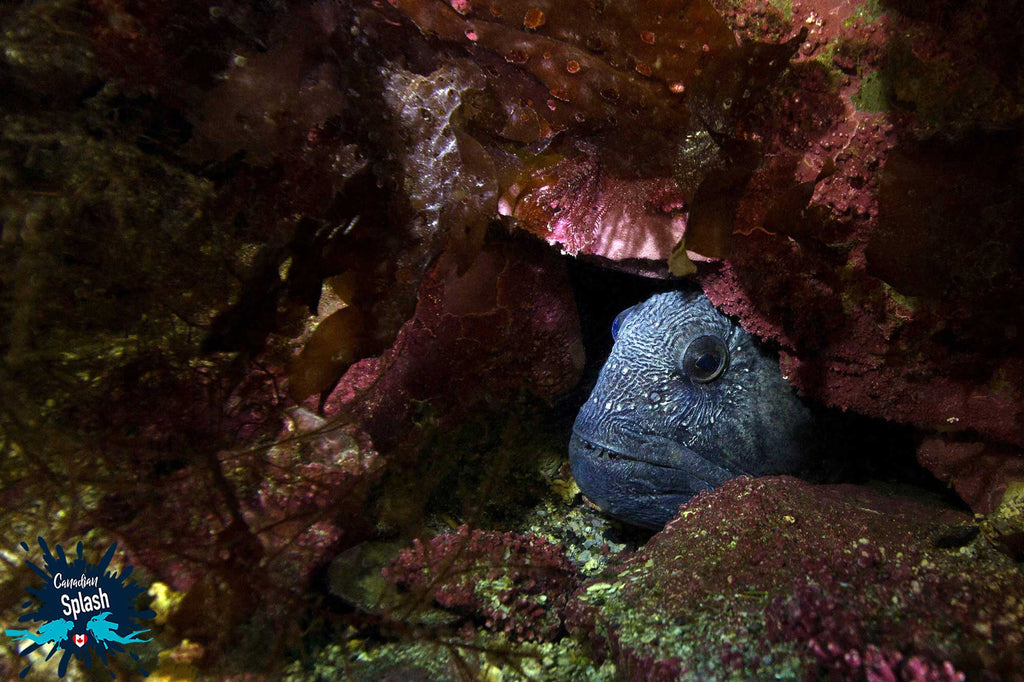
777,577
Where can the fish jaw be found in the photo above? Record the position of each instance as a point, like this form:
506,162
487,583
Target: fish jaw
643,485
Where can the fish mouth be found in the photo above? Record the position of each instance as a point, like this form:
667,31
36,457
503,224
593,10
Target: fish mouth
642,480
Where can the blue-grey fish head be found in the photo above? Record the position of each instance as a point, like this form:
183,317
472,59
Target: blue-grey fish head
685,401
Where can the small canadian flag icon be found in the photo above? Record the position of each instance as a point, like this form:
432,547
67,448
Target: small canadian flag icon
80,640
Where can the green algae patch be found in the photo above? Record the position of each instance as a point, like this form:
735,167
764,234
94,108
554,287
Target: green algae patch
441,658
867,12
872,95
1004,527
785,8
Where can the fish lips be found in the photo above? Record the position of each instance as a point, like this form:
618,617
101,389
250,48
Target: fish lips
642,481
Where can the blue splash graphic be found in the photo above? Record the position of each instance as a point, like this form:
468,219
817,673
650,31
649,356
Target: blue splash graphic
84,610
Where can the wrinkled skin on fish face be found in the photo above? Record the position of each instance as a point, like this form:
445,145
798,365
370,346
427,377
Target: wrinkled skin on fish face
685,401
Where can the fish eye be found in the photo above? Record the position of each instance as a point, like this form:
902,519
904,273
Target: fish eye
705,359
619,320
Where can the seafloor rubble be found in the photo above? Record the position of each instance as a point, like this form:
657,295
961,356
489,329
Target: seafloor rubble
310,274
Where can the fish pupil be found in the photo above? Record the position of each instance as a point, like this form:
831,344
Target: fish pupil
704,359
708,362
